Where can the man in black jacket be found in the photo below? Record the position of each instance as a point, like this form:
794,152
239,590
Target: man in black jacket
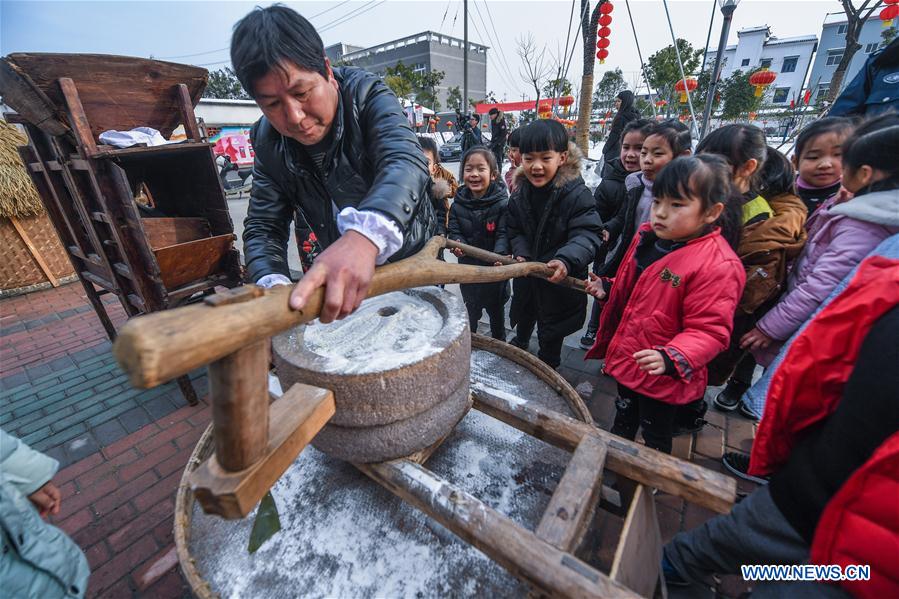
498,133
333,144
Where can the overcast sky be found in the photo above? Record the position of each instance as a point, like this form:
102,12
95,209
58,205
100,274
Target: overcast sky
199,32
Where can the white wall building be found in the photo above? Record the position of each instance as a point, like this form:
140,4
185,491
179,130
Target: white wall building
790,58
833,44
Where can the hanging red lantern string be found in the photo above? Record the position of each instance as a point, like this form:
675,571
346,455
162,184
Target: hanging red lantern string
605,20
606,8
602,55
889,13
604,32
603,43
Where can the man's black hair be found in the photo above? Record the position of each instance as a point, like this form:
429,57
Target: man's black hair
776,176
493,111
268,37
544,135
475,116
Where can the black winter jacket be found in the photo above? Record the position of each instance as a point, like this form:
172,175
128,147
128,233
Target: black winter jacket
610,193
498,133
569,230
481,223
627,113
374,163
622,228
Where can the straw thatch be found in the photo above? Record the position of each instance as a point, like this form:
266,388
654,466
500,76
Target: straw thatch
18,197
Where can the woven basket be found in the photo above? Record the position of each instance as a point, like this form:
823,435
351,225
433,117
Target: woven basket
18,268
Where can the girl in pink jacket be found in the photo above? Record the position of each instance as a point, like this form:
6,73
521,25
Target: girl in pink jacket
671,305
844,234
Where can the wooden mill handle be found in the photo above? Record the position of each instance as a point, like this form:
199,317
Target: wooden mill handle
485,256
161,346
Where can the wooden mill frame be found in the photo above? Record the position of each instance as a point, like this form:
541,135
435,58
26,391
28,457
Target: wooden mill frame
147,224
256,439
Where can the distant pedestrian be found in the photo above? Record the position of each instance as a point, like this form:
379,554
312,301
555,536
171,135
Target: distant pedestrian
498,133
627,112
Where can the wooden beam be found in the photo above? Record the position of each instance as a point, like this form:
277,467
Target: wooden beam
517,549
188,118
42,264
573,503
80,124
294,419
639,553
632,460
238,385
171,343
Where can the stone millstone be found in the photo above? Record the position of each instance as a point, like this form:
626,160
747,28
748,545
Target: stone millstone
399,369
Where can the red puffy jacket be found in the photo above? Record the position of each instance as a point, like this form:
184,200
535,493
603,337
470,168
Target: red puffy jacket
682,304
860,525
808,385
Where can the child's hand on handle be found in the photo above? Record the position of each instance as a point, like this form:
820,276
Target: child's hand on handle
520,259
458,252
510,257
47,500
650,361
594,287
606,235
561,271
755,339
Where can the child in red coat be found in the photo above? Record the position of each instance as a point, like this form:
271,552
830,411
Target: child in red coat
670,308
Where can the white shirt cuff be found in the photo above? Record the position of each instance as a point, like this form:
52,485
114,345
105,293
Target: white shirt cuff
377,228
272,280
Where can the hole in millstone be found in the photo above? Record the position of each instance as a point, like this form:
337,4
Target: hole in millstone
387,311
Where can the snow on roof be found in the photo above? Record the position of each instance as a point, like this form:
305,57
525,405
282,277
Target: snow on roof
792,40
752,29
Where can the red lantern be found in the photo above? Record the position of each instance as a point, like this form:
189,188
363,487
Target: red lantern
602,55
604,32
605,20
606,8
685,85
603,43
449,124
762,79
889,13
566,100
752,115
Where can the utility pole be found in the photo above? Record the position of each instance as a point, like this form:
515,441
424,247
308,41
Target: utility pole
465,58
727,9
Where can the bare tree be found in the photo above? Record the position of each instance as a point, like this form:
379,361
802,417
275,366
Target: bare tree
535,68
855,20
588,34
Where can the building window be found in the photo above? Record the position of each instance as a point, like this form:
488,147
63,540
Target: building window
766,63
419,67
841,30
834,57
781,94
745,62
823,88
790,64
870,48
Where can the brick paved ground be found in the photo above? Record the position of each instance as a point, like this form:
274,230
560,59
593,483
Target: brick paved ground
123,450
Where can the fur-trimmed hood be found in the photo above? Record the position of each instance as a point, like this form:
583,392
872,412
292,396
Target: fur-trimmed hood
568,172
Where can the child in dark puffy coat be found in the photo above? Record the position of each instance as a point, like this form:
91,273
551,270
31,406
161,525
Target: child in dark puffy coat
610,195
552,218
670,307
443,184
477,218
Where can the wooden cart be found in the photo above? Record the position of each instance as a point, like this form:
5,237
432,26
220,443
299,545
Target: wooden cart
149,224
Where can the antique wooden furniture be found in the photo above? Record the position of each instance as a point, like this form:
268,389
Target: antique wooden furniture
256,442
148,224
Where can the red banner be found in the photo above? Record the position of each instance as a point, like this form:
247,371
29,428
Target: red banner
545,105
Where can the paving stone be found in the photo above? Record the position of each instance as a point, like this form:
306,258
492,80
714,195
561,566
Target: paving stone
36,372
58,453
61,363
135,419
79,416
9,330
59,438
14,380
108,432
109,414
80,448
46,420
33,438
159,407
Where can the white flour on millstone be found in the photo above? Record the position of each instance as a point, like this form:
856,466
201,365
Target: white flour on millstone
385,333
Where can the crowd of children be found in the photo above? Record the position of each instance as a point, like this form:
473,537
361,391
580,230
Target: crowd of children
706,263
